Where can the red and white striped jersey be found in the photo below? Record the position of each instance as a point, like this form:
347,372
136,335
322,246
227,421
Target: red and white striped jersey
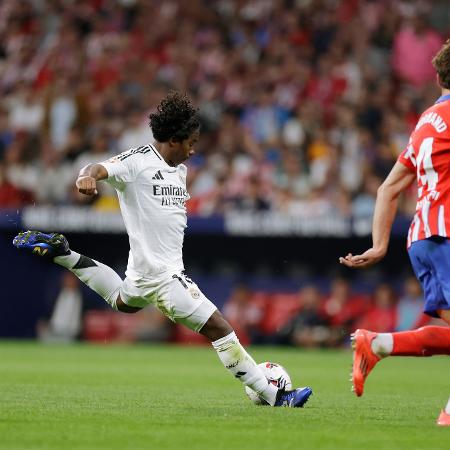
428,154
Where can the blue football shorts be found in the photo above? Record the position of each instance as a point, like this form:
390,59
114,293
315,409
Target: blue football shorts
430,259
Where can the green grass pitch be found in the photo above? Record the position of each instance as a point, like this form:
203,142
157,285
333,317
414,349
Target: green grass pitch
168,397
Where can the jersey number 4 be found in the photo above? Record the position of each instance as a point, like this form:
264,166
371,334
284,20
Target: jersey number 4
425,170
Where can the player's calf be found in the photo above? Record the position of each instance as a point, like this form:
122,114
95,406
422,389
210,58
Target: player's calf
425,341
216,327
244,368
54,246
369,348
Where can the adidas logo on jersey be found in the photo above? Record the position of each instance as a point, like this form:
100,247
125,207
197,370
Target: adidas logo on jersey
157,176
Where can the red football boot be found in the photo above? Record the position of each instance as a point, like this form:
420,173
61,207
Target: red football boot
444,419
364,359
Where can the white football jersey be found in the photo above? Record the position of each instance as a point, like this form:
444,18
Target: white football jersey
152,197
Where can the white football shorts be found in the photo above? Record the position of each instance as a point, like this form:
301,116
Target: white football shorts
176,296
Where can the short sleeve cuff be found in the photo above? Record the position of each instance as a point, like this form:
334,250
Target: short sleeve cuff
114,168
405,159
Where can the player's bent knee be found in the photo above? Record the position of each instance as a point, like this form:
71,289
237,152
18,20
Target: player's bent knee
216,327
123,307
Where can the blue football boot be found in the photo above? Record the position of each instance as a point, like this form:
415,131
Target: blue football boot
293,399
41,244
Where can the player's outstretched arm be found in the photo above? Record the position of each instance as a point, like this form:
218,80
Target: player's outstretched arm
399,179
88,177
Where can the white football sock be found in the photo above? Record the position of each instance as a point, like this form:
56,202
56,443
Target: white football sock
383,344
242,366
447,408
99,277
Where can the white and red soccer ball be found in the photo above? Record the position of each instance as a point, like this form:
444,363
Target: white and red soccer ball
276,374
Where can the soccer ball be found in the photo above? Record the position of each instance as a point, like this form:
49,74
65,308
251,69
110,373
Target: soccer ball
276,374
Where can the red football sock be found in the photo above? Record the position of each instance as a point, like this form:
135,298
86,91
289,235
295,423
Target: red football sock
425,341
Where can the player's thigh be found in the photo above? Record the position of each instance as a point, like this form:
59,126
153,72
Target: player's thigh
182,301
123,307
419,254
440,261
136,294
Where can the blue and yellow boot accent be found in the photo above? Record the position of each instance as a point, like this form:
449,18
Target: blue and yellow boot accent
42,244
293,399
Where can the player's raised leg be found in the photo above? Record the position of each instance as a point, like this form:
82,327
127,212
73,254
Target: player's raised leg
370,347
236,359
99,277
425,341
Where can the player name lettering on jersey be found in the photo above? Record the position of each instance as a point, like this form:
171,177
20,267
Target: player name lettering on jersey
434,120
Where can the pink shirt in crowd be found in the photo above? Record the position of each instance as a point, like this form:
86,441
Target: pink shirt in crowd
413,53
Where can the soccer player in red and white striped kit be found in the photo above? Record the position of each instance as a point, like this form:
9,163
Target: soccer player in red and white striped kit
427,160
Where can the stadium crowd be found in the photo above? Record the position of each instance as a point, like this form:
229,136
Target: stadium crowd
305,104
314,315
317,317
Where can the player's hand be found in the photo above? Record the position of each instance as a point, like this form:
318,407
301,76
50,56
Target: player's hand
87,185
367,259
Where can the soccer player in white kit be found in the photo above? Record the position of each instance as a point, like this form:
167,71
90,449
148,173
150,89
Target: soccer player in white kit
151,186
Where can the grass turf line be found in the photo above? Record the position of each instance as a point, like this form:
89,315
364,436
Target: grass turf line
168,397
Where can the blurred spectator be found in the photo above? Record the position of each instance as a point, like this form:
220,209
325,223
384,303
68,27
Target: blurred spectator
252,199
309,328
136,132
10,195
54,177
64,324
415,45
6,133
26,110
244,315
147,326
62,112
381,316
291,175
364,203
410,307
342,308
264,119
20,168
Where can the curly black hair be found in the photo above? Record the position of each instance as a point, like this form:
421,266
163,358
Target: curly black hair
175,117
